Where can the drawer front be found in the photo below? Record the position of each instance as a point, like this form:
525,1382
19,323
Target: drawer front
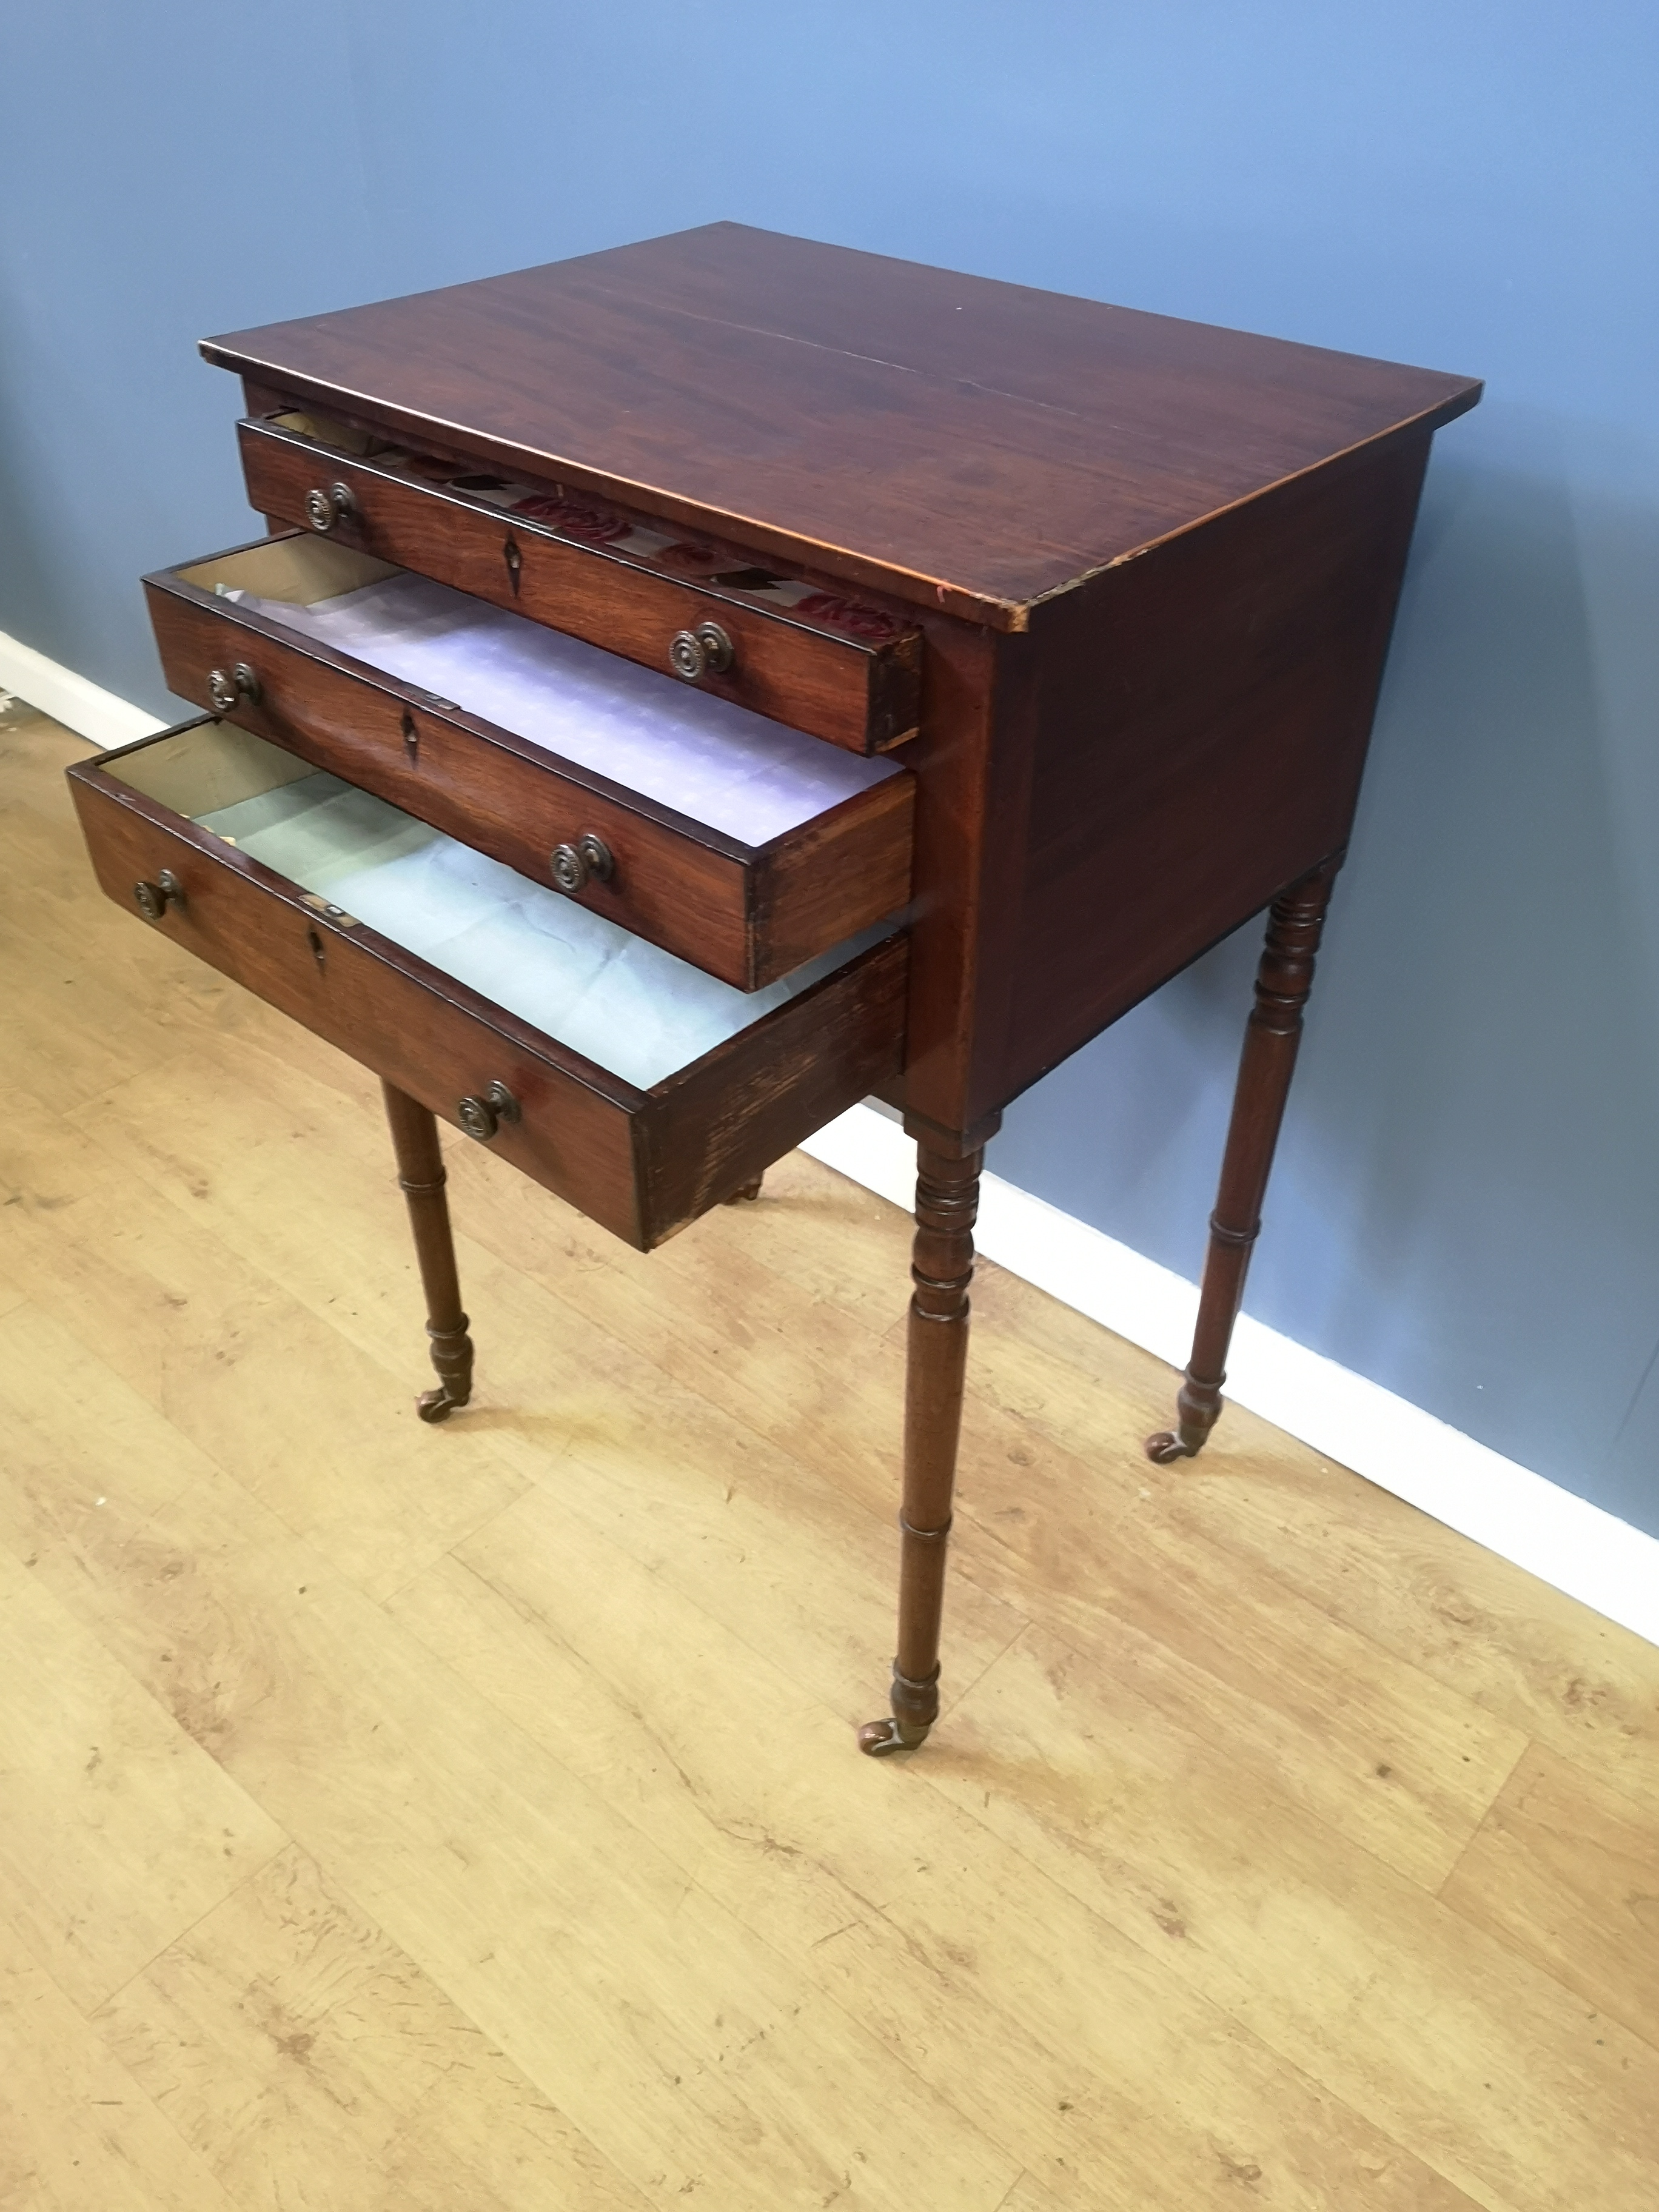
748,914
860,692
642,1164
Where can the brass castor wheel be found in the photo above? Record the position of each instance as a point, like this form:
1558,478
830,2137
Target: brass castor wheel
1164,1447
880,1738
438,1405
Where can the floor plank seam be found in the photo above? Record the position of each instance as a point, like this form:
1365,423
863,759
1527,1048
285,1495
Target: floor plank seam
183,1934
1480,1827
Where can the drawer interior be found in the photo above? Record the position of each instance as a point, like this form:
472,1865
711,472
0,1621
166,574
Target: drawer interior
591,522
622,1003
717,763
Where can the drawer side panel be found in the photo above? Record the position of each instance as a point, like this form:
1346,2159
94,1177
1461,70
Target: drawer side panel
725,1120
835,877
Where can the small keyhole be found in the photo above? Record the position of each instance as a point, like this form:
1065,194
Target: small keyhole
411,737
318,949
514,560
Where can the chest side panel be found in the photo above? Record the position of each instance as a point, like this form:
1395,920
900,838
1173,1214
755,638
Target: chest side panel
1202,716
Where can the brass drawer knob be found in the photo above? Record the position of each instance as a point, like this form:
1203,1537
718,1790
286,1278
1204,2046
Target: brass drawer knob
573,865
324,509
229,687
153,900
482,1115
705,651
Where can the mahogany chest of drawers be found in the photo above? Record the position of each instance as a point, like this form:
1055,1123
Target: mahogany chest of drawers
688,688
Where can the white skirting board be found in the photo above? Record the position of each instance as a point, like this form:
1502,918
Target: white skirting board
1563,1539
82,706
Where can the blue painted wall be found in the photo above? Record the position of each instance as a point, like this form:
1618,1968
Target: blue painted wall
1467,1204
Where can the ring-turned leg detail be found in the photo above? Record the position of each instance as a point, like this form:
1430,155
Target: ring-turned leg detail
1283,982
421,1179
942,1267
451,1356
915,1708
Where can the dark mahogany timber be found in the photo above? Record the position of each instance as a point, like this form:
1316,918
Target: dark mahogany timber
1156,564
641,1162
1272,1037
941,1268
420,1178
746,914
1131,579
965,445
860,694
1175,749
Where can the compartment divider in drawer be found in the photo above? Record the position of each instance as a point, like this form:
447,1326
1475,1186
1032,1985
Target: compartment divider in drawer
860,691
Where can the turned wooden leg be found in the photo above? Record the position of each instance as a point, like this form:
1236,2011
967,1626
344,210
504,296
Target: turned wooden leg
421,1179
1282,984
942,1267
742,1191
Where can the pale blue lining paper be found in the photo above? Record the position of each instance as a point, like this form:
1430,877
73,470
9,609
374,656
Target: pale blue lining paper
618,1000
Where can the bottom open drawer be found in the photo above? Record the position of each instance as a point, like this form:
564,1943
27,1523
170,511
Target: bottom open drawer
400,946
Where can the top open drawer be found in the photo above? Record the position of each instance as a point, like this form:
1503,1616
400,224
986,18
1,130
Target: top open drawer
822,662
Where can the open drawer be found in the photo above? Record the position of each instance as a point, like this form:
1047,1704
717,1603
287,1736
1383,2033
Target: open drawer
457,980
743,846
844,669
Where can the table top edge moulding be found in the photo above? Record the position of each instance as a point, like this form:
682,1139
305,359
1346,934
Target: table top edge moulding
955,441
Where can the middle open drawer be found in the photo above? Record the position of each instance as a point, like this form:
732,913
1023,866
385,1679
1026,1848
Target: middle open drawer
746,846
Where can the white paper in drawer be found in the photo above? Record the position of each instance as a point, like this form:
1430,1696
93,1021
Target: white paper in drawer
719,764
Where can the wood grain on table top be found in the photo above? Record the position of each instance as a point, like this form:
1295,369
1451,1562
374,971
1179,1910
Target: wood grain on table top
956,442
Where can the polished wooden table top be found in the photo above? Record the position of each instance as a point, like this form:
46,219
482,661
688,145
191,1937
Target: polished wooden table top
964,444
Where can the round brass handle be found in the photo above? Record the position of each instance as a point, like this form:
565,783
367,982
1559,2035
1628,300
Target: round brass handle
154,899
482,1116
705,651
324,509
227,688
573,865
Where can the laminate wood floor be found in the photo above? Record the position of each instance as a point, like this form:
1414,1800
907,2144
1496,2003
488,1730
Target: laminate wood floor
468,1820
